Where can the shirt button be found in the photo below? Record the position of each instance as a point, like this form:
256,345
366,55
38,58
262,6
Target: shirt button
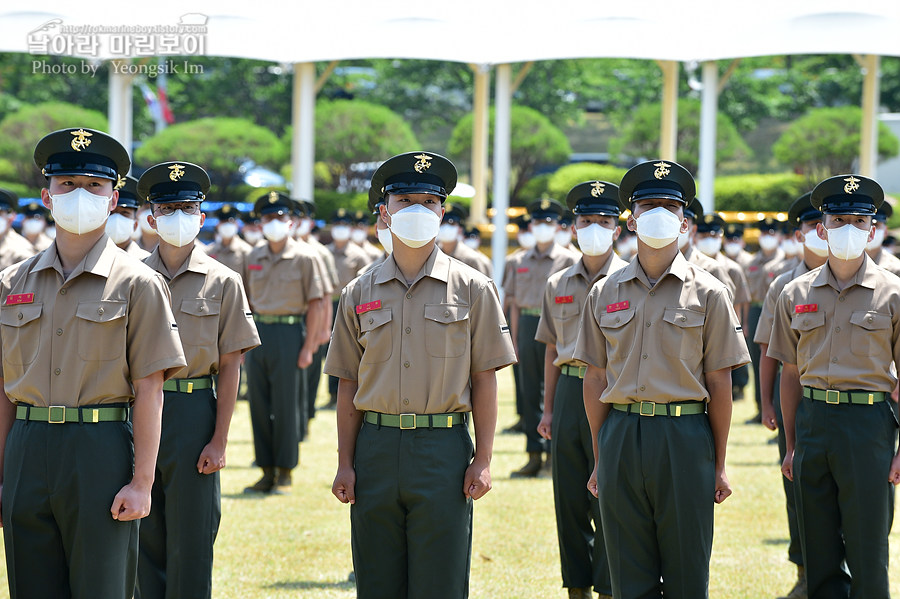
683,318
56,371
406,364
648,324
837,330
59,331
21,316
371,320
642,388
652,293
870,319
409,296
447,313
840,299
405,402
62,291
834,360
201,308
644,356
408,330
100,311
617,318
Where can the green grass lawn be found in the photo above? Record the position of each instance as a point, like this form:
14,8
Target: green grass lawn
299,545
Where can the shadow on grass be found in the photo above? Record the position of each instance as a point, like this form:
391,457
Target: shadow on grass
776,541
763,464
309,584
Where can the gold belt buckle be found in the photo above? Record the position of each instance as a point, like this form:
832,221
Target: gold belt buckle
652,408
190,387
832,396
62,414
407,421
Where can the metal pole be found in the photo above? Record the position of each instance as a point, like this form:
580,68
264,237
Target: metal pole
119,110
708,112
868,139
669,129
502,102
303,139
480,144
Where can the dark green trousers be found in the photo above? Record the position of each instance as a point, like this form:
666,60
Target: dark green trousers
59,484
795,552
656,481
753,322
531,380
274,383
844,501
176,539
411,525
582,555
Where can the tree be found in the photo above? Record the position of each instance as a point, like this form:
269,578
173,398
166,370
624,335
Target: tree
21,130
219,145
825,142
535,142
571,175
640,136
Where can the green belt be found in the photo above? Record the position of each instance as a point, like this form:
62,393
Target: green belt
570,370
411,421
188,385
278,318
61,414
833,396
530,312
651,408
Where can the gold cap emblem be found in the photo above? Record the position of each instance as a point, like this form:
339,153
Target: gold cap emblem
120,182
545,204
597,189
423,164
81,141
273,197
852,184
177,172
662,169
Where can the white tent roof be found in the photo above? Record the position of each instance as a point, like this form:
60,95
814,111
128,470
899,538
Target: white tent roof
488,31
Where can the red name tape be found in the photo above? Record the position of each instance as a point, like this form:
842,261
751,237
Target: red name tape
803,308
363,308
617,307
19,298
254,266
565,299
753,268
522,269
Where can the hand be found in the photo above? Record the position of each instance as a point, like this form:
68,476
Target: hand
344,485
787,467
544,426
893,477
592,483
723,487
477,481
130,503
212,458
325,338
768,416
305,358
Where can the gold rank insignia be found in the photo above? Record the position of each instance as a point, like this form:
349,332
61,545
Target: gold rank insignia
852,184
423,164
597,189
177,172
662,169
273,197
80,141
120,183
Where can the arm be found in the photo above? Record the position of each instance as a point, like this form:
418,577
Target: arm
315,323
477,480
349,419
594,385
768,367
132,502
551,378
7,417
212,458
514,324
329,322
790,399
718,383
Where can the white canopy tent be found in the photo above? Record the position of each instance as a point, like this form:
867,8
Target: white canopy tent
483,34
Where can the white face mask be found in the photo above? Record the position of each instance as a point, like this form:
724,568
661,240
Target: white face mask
4,225
144,224
543,233
119,228
594,240
340,232
79,211
359,236
815,244
790,247
563,237
178,228
33,226
51,232
733,248
710,245
415,225
627,246
304,227
228,230
658,227
684,239
252,236
276,230
768,242
526,240
876,241
472,242
448,233
385,239
847,242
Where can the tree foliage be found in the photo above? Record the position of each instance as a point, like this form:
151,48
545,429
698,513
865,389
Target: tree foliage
567,177
759,192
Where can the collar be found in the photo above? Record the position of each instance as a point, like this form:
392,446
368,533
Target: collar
678,268
97,261
864,277
437,266
197,261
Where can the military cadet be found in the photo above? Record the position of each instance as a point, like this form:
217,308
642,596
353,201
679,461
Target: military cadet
34,223
694,214
626,245
660,338
882,258
13,247
349,258
733,245
472,238
525,239
360,234
708,239
815,251
252,231
381,230
284,279
416,344
122,222
582,554
450,238
793,250
216,328
86,333
837,334
564,236
525,288
229,248
147,239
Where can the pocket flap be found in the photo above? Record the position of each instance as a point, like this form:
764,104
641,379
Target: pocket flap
684,317
807,321
200,307
614,320
16,316
374,319
446,313
102,310
870,320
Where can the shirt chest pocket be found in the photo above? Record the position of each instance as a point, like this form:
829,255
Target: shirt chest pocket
809,328
375,335
619,337
101,329
565,319
446,330
21,333
682,333
195,325
870,333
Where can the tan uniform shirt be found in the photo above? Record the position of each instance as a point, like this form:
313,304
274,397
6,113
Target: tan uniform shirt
564,298
657,341
211,310
736,273
284,283
348,261
767,316
329,274
762,271
234,255
841,340
744,259
529,276
888,261
14,248
83,340
41,242
371,250
135,251
473,258
712,267
412,349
